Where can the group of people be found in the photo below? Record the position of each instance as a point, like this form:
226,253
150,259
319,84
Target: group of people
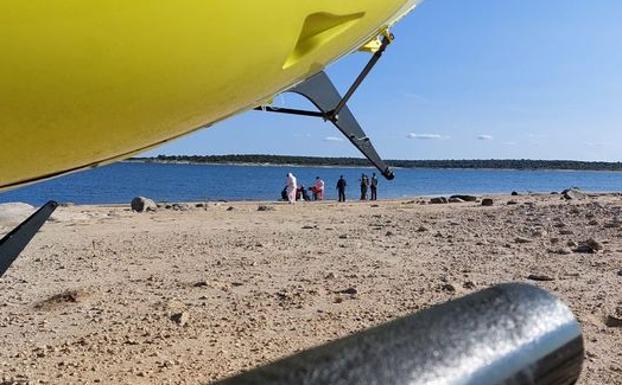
367,184
294,191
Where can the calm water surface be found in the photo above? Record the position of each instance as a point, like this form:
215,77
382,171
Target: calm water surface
119,183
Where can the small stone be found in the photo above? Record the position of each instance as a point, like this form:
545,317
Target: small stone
330,275
230,208
350,291
265,208
620,272
389,234
540,277
180,318
343,236
613,321
470,285
487,202
514,193
422,229
200,284
590,246
512,203
522,240
448,287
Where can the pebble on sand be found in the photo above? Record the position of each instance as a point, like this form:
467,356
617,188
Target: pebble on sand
540,277
181,318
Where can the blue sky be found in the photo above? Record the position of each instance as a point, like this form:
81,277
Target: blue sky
465,79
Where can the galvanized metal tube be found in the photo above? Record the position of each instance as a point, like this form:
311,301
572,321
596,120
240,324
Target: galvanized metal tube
509,334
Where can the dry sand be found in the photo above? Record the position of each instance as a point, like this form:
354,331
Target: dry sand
91,298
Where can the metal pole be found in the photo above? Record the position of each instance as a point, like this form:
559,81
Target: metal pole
511,334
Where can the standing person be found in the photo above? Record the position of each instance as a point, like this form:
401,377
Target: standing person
318,189
341,189
291,188
364,185
374,187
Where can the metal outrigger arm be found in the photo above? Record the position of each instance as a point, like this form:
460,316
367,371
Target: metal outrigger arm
510,334
333,107
12,244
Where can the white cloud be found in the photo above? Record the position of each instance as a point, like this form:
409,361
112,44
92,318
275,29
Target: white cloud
485,137
333,139
412,135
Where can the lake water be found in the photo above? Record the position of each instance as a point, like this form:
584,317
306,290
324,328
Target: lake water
120,182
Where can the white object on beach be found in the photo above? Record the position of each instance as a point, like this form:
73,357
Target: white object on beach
292,186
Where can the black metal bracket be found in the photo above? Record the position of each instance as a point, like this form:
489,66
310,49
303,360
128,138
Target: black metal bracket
332,107
14,242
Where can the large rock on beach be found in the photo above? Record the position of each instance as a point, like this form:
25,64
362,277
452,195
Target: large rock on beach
487,202
12,214
466,198
573,194
142,204
438,200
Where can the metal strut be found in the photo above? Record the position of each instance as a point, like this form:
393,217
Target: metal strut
333,107
14,242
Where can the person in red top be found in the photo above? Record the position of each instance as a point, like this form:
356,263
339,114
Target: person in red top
318,189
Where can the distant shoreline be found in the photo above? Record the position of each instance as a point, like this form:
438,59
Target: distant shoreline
295,161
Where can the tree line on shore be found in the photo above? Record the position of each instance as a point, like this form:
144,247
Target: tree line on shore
517,164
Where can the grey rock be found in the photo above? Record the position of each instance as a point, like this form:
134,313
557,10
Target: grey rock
590,246
522,240
455,200
487,202
439,200
466,198
573,194
141,204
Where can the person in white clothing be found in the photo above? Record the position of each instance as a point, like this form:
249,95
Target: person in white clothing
291,188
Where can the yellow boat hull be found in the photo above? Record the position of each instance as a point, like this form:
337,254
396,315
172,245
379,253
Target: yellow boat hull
86,82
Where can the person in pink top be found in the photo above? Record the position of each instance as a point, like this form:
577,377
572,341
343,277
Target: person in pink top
318,189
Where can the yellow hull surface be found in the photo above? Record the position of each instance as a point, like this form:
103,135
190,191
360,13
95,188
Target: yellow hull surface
85,82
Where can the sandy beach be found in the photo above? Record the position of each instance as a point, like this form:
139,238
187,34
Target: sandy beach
189,295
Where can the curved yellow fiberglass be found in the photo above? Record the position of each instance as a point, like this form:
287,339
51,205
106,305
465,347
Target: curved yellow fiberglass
86,82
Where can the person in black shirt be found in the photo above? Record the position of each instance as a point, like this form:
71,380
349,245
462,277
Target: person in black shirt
364,185
374,187
341,189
